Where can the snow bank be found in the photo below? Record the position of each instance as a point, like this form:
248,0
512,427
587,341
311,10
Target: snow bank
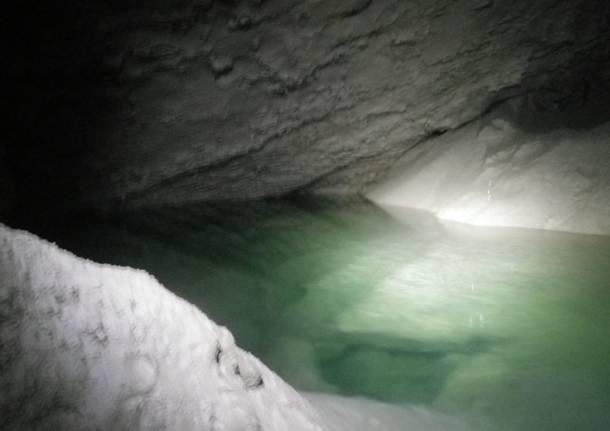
98,347
499,175
88,346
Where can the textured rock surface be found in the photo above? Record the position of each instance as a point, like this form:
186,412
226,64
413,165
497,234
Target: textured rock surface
141,103
504,172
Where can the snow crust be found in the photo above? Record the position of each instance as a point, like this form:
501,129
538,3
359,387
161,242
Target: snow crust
500,175
88,346
98,347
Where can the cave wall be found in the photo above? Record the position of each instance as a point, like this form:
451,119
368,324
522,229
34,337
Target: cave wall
132,103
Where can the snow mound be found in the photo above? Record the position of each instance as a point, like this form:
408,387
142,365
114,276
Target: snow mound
98,347
500,175
88,346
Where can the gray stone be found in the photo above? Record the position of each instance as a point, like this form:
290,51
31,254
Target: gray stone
247,99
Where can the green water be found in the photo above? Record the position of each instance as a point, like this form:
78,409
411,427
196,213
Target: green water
509,329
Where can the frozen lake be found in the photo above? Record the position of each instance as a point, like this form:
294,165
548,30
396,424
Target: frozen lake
508,329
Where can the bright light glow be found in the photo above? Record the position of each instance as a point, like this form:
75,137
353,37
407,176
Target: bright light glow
503,176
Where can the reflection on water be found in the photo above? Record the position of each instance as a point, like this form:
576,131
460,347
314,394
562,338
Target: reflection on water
508,328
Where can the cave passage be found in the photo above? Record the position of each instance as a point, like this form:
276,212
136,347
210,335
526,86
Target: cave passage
506,328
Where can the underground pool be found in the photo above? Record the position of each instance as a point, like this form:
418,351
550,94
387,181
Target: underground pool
506,329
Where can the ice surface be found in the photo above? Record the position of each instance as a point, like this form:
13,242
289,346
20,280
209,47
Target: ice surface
343,413
499,175
99,347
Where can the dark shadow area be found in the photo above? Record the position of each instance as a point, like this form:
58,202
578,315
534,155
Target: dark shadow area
59,106
392,368
562,87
